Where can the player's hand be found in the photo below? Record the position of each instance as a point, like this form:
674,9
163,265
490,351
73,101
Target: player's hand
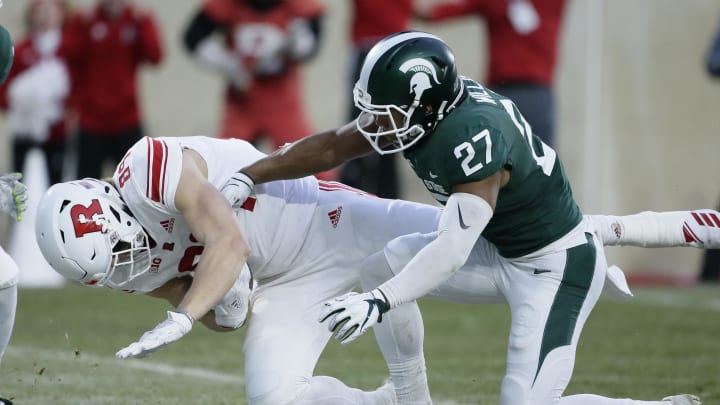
238,189
232,310
350,315
176,326
13,195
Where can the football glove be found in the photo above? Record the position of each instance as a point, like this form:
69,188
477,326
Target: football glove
12,195
232,310
238,189
177,325
350,315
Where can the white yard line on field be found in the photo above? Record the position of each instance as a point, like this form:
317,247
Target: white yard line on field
145,365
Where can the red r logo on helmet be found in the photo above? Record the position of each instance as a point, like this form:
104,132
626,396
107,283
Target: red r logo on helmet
84,220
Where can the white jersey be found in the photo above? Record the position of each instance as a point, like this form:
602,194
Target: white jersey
275,219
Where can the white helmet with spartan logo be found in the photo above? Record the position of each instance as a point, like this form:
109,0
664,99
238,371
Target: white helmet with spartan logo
87,234
411,75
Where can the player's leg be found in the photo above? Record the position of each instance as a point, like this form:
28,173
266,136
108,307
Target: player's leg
8,298
699,228
550,297
284,342
400,338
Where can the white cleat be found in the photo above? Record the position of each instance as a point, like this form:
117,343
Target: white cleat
682,399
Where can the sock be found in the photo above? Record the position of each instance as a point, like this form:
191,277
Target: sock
646,229
400,337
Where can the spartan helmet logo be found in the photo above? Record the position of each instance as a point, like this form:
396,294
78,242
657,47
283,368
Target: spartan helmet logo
422,72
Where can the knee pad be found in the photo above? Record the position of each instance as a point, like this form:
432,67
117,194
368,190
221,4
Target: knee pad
402,249
268,387
8,271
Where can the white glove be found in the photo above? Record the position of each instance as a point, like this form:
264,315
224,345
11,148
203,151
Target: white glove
238,189
12,195
177,325
350,315
232,310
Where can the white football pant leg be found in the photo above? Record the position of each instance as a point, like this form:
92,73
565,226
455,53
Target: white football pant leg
400,337
549,310
284,342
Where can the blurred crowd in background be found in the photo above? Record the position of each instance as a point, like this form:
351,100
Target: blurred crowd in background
74,92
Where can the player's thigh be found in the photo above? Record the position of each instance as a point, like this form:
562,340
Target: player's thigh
284,339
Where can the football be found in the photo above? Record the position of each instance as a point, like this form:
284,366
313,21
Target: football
6,53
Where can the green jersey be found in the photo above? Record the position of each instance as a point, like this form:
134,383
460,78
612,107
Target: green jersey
483,134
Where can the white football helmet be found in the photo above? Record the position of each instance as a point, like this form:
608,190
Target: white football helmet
87,234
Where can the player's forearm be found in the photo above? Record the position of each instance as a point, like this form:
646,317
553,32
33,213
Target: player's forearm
216,273
313,154
461,224
173,292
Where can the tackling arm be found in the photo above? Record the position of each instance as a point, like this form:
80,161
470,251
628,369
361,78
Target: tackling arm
313,154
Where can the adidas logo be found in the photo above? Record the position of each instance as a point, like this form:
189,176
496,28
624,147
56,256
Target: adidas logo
334,216
168,225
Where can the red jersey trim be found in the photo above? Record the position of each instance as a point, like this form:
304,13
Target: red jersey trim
157,166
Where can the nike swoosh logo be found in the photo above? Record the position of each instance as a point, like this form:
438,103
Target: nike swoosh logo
462,223
538,271
432,176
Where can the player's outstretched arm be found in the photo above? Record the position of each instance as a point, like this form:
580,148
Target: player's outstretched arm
698,228
213,223
312,154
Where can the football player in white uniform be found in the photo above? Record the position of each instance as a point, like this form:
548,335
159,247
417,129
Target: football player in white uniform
12,202
162,218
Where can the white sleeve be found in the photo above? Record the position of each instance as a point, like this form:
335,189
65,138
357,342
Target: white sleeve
462,222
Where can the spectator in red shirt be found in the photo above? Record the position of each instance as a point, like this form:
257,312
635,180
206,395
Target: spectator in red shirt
104,46
375,174
523,40
35,91
264,44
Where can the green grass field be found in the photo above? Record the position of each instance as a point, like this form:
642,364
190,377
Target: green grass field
663,342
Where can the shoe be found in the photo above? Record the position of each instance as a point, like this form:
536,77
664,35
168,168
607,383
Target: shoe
682,399
4,401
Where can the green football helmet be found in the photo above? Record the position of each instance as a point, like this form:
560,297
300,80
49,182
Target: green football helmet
412,75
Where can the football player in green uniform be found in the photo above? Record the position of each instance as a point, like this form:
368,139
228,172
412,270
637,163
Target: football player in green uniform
509,220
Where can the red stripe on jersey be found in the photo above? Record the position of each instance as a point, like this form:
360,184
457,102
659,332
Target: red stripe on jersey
335,186
157,163
249,204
